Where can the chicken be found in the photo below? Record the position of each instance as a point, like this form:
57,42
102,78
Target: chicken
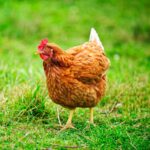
76,77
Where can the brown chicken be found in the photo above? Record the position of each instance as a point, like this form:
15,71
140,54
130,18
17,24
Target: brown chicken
76,77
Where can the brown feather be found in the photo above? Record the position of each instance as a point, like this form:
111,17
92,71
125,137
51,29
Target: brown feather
76,78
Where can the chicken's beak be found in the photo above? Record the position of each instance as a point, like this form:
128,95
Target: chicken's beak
38,52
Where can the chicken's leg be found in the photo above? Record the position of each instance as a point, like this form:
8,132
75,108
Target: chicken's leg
69,122
91,115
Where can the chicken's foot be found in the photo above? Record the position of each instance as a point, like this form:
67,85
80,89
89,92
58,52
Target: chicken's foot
91,116
69,122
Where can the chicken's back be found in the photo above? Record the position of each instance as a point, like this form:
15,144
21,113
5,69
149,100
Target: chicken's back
90,62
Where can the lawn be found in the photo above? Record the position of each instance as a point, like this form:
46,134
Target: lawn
28,118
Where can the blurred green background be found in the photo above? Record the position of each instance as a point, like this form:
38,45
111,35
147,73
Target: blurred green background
28,118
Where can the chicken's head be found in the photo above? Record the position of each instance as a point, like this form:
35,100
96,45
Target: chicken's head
48,50
43,50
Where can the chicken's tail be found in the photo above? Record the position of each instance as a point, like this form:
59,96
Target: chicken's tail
94,37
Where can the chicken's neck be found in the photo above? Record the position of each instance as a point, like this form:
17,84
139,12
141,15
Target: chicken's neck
59,57
62,60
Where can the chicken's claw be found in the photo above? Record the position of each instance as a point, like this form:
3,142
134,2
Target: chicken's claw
68,126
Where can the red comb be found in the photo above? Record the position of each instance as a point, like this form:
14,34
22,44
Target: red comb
42,44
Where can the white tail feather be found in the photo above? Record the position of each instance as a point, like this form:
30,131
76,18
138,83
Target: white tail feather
95,38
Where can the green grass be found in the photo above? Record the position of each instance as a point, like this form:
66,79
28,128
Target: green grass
28,118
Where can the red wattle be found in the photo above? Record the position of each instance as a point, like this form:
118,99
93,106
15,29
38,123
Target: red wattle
44,57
